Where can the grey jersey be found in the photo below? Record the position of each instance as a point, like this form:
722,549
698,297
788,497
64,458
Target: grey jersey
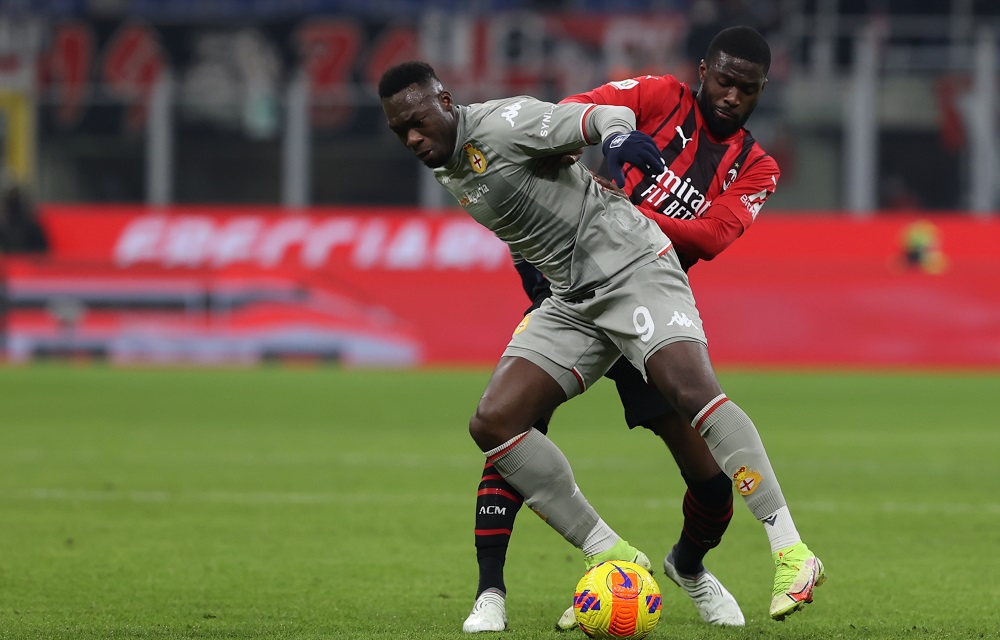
570,228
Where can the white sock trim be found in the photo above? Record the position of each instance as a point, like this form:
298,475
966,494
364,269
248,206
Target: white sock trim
780,529
600,539
708,407
506,445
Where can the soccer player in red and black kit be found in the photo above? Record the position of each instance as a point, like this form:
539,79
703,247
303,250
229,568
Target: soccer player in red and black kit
717,177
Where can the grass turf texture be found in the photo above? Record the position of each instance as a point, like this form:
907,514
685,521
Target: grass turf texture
279,503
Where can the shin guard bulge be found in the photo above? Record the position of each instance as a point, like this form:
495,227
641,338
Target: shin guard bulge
737,447
539,471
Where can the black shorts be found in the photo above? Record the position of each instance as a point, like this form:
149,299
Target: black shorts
640,400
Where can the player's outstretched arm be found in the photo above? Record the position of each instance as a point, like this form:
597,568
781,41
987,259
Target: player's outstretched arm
730,215
702,238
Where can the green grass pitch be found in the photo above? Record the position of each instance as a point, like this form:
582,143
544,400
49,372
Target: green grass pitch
327,503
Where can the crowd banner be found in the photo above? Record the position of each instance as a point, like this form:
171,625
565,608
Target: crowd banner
403,287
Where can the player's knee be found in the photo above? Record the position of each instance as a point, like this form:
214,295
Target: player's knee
716,490
490,427
478,429
691,398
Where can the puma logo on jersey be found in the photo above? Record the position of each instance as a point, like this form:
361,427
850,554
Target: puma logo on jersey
511,112
684,140
680,319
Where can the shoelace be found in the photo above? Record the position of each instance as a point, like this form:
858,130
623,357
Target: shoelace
785,574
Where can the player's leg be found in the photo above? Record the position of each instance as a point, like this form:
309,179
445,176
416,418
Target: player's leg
497,501
520,392
651,315
497,505
528,385
708,501
683,372
708,509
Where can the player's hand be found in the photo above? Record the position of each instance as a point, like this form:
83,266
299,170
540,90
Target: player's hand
637,149
607,184
549,166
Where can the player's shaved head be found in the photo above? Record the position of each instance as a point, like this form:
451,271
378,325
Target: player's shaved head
399,77
419,111
741,42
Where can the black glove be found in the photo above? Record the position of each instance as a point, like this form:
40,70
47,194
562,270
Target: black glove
635,148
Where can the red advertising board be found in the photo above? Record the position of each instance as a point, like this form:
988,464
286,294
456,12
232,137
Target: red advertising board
887,291
404,287
385,287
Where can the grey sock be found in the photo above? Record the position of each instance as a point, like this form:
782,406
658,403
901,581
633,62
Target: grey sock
540,472
737,447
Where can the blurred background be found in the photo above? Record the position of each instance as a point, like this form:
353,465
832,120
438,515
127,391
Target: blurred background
212,180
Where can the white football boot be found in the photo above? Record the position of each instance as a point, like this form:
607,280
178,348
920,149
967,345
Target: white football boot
489,613
715,604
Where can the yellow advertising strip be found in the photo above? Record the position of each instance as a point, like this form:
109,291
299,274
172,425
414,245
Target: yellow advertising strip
18,138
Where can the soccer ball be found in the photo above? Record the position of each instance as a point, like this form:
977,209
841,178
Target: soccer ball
617,600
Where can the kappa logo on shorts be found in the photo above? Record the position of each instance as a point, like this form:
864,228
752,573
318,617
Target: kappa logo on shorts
523,325
680,319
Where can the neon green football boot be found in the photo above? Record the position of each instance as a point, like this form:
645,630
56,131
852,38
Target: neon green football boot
797,571
621,551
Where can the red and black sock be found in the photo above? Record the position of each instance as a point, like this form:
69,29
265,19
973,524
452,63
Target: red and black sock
708,509
497,504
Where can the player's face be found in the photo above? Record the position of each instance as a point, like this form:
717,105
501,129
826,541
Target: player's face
424,121
730,89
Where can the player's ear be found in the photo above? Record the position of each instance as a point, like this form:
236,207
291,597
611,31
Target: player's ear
702,68
446,100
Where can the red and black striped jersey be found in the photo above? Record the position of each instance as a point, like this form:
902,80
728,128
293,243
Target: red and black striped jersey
702,173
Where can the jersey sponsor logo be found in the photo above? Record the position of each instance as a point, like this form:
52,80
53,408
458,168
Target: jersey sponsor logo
473,196
546,118
523,324
687,201
755,201
624,85
746,480
684,139
510,113
680,319
476,158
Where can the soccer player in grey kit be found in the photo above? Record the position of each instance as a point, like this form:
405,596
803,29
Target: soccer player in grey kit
618,289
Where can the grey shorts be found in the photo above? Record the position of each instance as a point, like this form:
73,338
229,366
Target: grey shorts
635,314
